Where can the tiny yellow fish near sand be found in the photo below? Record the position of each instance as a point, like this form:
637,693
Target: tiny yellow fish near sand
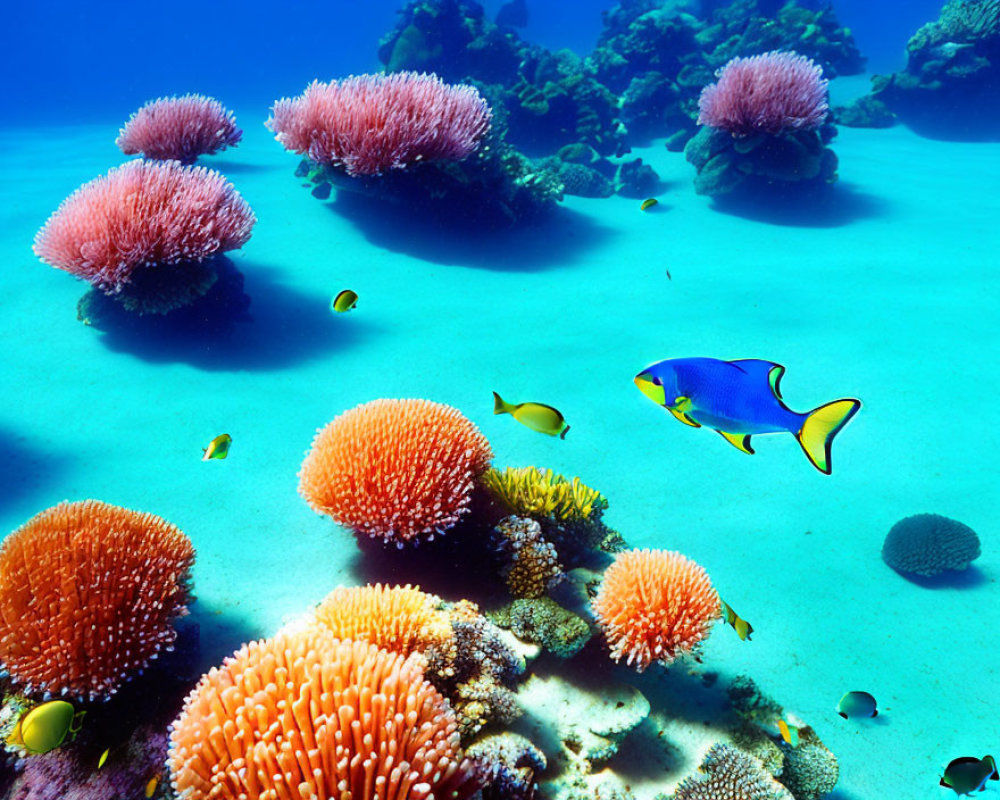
45,726
537,416
344,301
218,447
648,204
789,733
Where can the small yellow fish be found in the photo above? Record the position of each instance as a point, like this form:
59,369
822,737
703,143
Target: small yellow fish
648,204
103,758
344,301
740,625
538,417
44,727
218,447
789,733
151,785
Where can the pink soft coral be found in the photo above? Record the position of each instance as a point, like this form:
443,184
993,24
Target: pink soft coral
180,128
372,123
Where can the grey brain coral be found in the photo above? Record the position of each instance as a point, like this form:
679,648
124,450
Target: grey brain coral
730,774
928,544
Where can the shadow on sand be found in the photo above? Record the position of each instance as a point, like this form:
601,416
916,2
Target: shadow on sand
831,207
255,322
35,468
969,578
554,241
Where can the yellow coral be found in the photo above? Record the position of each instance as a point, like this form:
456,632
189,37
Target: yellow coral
531,492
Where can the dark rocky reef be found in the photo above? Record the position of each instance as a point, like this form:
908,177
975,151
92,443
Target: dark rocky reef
795,161
950,87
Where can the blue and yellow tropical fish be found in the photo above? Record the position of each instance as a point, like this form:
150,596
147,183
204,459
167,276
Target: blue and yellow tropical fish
742,398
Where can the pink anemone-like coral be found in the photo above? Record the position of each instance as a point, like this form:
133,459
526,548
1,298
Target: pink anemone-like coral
180,128
143,214
369,124
770,93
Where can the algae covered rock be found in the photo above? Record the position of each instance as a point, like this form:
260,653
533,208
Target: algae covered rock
544,622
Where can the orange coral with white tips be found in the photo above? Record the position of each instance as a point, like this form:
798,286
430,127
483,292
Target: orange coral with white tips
397,470
306,716
654,605
88,595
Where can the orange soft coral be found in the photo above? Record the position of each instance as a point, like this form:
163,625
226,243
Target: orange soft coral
304,716
654,605
88,595
397,470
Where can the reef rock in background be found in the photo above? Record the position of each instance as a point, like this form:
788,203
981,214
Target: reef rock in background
929,544
951,84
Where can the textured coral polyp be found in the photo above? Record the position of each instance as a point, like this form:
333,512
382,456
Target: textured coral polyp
654,605
143,214
401,619
88,596
369,124
396,470
305,716
179,128
770,93
731,774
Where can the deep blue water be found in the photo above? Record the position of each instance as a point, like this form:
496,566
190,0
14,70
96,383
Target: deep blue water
67,61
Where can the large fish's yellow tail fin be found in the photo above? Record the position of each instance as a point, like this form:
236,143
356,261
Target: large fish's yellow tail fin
499,405
821,425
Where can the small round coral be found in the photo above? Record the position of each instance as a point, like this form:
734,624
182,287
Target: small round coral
654,605
396,470
179,128
143,215
731,774
88,596
305,716
928,544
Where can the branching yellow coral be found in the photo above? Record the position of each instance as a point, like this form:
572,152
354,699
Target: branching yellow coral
531,492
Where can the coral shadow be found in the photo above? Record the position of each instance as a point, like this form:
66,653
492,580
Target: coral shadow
34,467
239,167
828,207
969,578
219,634
284,327
549,242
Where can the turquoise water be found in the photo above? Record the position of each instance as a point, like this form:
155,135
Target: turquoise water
884,291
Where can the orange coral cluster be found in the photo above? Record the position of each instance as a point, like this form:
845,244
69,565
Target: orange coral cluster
402,619
397,470
654,605
306,716
88,594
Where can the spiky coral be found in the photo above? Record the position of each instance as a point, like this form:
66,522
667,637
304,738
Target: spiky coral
305,716
88,595
397,470
531,492
730,774
180,128
534,563
654,605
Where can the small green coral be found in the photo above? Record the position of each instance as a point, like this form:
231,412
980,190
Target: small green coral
544,622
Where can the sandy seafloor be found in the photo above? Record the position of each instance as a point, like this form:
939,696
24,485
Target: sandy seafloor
889,294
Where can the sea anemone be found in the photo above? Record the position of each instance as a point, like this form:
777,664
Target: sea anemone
401,619
396,470
88,595
654,605
179,128
770,93
305,716
928,544
143,215
369,124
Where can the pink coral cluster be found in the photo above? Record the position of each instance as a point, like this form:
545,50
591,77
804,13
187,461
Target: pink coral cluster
140,214
770,93
368,124
179,128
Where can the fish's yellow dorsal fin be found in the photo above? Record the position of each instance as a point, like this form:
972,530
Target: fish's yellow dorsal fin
680,416
821,425
741,441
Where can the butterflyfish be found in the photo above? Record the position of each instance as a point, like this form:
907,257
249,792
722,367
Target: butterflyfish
743,628
789,733
741,398
538,417
44,727
967,775
344,301
857,705
151,785
218,447
648,204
